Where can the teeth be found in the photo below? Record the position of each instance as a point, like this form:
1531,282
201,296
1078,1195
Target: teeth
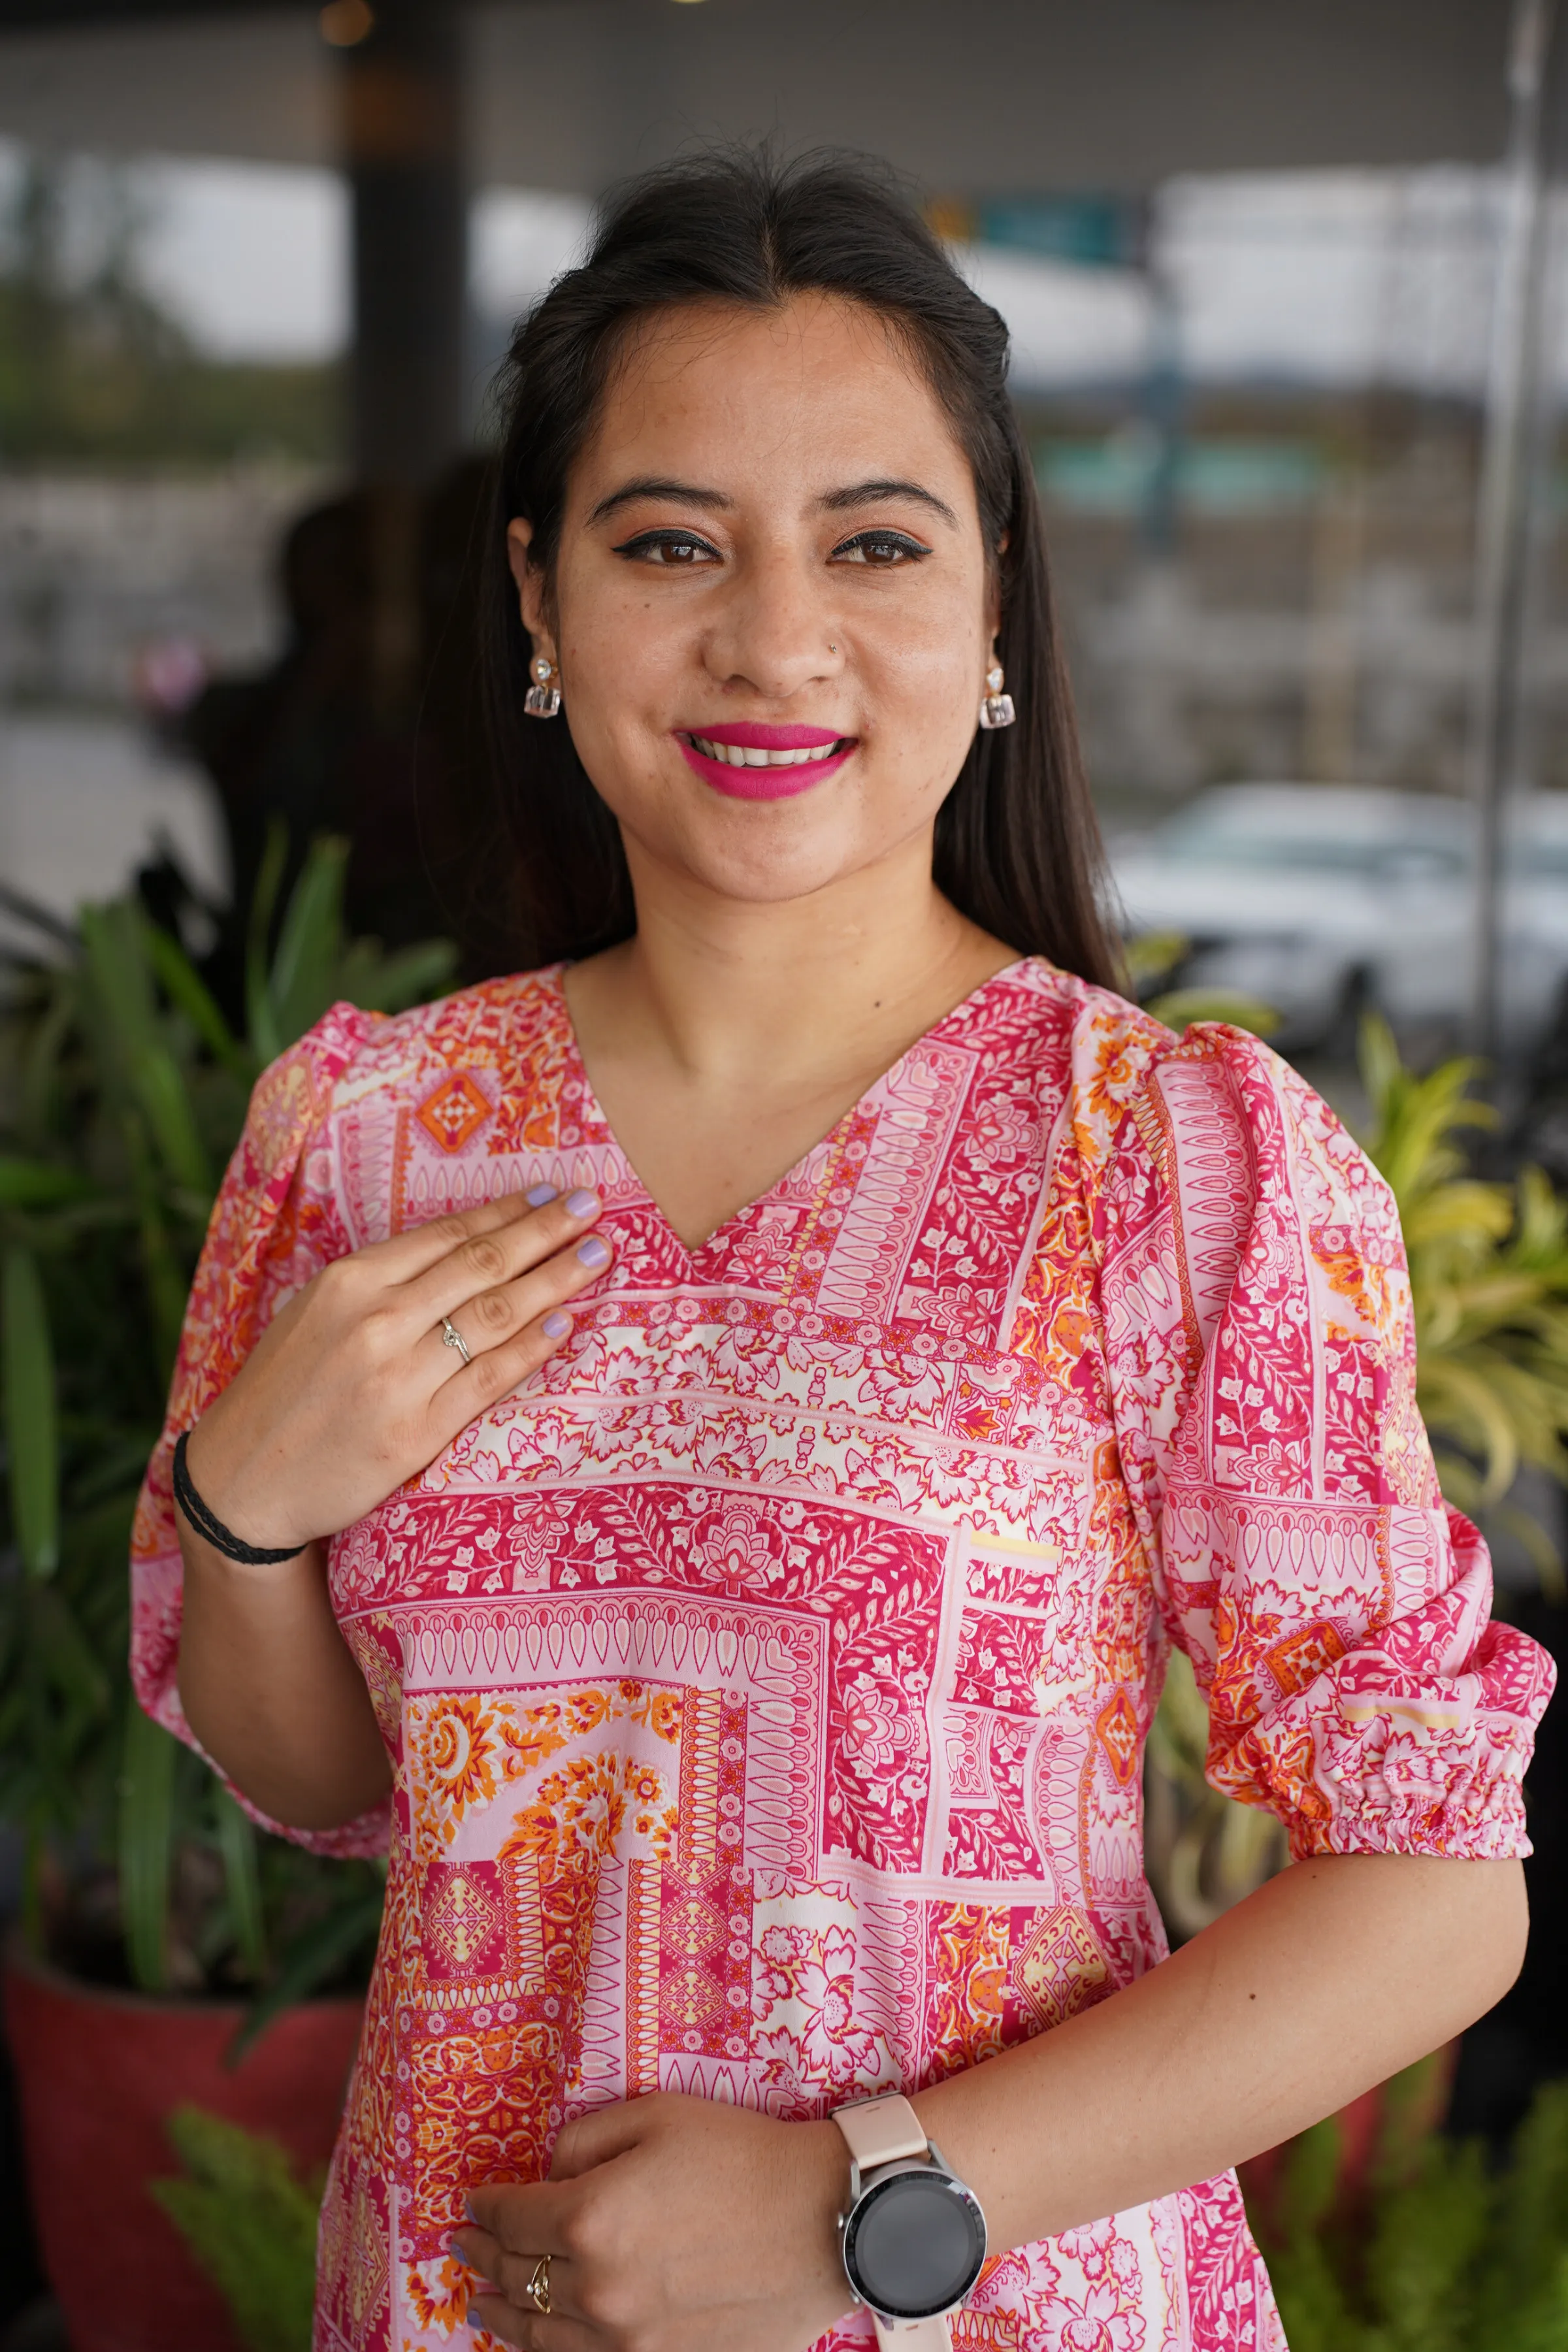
740,755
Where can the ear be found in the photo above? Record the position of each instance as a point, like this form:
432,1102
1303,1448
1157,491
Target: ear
530,585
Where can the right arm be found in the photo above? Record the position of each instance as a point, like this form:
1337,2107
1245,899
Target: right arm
351,1390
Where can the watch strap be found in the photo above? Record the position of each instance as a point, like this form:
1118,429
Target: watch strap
912,2335
881,2131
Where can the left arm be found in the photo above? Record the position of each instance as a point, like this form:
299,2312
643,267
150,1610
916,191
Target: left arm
679,2225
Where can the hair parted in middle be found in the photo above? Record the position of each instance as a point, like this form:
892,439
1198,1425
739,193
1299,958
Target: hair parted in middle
1018,848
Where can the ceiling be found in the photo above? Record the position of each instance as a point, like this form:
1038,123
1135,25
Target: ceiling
970,96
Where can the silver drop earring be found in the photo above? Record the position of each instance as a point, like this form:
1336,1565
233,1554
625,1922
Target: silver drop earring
543,699
996,708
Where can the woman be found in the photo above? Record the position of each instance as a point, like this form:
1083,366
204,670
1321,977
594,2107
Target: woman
714,1437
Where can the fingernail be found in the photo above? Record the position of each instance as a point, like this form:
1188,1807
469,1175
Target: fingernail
555,1325
468,2209
538,1196
580,1204
593,1252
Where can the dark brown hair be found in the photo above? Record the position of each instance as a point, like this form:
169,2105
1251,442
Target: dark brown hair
1017,848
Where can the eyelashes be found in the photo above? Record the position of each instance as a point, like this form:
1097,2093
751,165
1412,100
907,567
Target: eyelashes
676,550
883,550
878,550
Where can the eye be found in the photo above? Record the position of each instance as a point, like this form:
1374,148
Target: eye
667,548
880,548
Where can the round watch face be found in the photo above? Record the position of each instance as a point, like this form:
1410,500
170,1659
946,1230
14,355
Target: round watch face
914,2243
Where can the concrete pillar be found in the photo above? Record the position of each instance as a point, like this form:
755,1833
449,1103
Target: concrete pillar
403,140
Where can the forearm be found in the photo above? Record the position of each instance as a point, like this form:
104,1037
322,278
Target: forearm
1330,1978
272,1689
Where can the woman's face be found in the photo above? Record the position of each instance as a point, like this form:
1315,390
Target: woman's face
770,545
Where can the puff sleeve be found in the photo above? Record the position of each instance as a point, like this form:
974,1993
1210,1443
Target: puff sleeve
1262,1360
273,1226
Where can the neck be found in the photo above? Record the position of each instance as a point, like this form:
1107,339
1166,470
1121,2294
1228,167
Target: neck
717,987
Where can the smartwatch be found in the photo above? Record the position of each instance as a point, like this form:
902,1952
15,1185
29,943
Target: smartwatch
913,2239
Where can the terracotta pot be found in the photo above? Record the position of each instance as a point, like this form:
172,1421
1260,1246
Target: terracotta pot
97,2073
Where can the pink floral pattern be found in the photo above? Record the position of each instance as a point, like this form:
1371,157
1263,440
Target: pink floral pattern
767,1682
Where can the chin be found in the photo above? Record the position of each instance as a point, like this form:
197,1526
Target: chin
770,881
766,856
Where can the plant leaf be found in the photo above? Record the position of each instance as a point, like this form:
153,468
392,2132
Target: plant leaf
313,1958
249,2223
237,1844
300,984
1180,1007
38,1185
32,1440
185,988
146,1846
266,1042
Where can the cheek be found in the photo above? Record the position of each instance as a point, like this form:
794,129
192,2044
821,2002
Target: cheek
924,667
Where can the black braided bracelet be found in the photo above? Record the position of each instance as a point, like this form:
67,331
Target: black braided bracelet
208,1524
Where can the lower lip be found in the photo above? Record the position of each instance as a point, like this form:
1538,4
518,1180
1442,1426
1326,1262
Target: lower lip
763,783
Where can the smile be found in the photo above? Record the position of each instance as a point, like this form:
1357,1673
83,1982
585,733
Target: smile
746,761
743,755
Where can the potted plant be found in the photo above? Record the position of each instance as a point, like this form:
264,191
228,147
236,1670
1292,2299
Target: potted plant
169,1952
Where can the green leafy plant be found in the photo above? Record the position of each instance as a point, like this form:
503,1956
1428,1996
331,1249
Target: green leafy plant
123,1091
1440,2254
1489,1274
251,2224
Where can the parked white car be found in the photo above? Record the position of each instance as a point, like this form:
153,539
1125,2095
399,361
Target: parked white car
1321,899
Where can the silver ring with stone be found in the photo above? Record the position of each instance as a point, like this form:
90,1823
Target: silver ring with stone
452,1337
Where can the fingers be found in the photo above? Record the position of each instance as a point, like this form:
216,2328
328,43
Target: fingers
488,1260
407,1255
511,2217
503,2303
529,2331
592,2139
528,1312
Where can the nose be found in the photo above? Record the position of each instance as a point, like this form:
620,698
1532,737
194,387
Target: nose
774,631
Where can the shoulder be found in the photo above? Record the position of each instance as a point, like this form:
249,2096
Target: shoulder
352,1057
1147,1108
1091,1053
485,1025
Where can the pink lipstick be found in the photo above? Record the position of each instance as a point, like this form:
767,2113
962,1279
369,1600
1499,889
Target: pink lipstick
748,761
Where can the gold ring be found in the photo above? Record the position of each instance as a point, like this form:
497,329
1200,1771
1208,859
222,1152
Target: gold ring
538,2287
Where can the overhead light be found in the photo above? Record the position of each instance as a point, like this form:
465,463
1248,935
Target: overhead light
346,22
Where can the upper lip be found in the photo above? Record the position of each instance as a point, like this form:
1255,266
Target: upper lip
752,735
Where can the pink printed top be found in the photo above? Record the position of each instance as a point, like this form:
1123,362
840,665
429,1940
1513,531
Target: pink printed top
767,1682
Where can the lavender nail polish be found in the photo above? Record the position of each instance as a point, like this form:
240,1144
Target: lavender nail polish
539,1196
594,1252
555,1325
580,1204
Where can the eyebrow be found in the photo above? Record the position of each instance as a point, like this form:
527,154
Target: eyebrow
652,486
856,494
864,494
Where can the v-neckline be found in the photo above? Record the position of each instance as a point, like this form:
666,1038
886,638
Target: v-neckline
715,1243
